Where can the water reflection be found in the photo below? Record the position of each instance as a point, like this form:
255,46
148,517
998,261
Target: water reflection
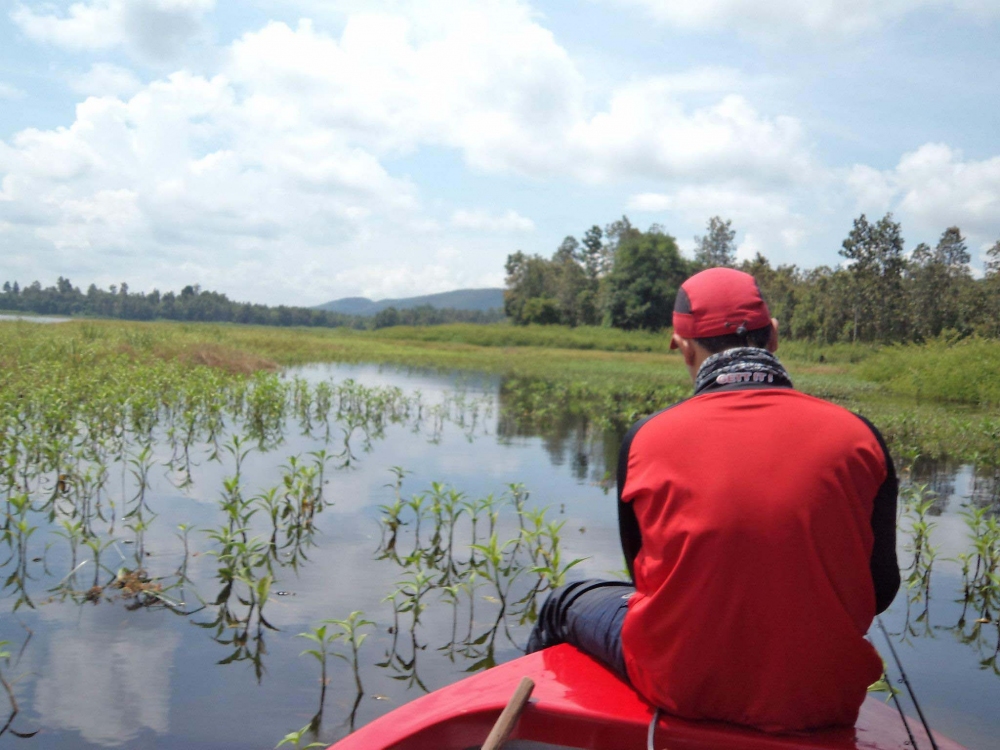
589,449
108,678
33,318
944,620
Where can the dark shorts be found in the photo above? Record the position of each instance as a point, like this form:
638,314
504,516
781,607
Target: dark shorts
589,615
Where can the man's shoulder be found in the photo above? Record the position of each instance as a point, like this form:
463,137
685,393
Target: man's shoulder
655,416
626,444
775,403
832,410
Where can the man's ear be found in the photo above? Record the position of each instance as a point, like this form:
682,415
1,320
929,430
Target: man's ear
686,347
772,342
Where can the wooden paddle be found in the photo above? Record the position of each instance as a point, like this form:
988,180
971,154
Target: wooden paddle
509,716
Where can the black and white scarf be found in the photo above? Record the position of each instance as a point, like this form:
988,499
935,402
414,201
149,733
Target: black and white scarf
741,365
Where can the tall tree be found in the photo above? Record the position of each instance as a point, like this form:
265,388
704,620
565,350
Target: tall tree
570,279
643,282
530,296
779,286
951,251
941,295
595,259
823,309
717,247
618,231
875,252
991,291
569,250
992,265
957,299
925,276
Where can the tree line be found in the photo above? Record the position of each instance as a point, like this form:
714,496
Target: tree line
622,277
195,304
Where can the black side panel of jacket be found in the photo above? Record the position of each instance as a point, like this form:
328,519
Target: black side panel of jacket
884,566
628,524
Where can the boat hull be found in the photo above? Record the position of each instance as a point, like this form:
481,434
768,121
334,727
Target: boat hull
578,703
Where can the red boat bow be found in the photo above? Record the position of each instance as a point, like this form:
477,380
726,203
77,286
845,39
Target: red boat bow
579,703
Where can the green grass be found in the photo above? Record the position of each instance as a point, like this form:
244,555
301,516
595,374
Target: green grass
937,399
551,337
966,371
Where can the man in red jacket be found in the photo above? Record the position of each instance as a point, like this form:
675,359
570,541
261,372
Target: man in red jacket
758,525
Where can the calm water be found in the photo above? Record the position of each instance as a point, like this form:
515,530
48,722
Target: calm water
106,673
33,318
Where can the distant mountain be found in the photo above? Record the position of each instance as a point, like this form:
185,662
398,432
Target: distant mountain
460,299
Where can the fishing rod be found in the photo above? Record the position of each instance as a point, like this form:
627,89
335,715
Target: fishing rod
909,689
899,708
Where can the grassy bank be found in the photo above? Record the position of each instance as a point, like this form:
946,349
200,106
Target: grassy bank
936,399
965,371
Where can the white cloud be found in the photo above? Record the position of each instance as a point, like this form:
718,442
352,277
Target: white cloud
782,17
186,183
932,188
767,221
154,29
872,188
105,79
940,186
655,202
730,201
488,81
491,82
647,132
701,80
480,220
733,201
272,174
10,92
447,254
103,686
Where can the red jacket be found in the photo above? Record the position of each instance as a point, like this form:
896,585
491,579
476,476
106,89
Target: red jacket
759,525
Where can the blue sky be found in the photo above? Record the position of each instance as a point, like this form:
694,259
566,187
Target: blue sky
294,152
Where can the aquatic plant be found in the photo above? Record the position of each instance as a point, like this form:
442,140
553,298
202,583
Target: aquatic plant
455,565
295,739
11,697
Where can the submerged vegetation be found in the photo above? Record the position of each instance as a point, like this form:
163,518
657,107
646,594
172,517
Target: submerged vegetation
977,622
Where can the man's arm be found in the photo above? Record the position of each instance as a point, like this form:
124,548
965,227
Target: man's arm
884,566
628,529
628,523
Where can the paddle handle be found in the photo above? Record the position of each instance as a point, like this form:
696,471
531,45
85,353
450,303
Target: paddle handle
509,716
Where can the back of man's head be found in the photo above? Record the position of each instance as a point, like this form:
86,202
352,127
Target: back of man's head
722,308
